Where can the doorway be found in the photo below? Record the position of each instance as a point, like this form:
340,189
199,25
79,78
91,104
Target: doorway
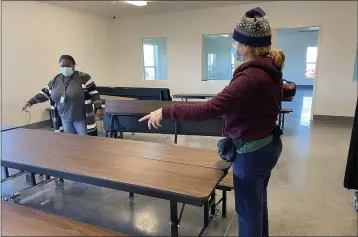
300,46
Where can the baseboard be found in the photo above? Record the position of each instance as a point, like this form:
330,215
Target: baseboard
41,124
329,118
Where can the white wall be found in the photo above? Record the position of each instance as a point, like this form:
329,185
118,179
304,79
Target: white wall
34,35
184,30
294,44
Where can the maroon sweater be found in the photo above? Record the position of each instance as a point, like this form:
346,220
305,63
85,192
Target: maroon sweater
250,103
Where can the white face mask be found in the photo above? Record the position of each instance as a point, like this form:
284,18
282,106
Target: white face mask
67,71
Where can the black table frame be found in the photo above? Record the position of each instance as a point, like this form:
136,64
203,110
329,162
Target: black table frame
193,96
174,198
112,133
183,97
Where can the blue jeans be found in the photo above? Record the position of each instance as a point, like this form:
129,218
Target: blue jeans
75,127
252,172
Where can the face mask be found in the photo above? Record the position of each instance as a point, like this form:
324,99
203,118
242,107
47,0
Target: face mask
66,71
234,50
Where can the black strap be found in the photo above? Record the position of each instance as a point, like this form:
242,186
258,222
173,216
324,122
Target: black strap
65,85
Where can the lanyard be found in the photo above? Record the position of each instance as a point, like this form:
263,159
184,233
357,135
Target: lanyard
67,83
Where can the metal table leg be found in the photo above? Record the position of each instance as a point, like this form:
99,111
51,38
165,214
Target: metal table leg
279,115
279,119
206,214
212,204
207,218
6,172
174,223
283,121
175,132
111,127
33,179
223,211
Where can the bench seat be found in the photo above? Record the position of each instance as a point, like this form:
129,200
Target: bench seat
19,220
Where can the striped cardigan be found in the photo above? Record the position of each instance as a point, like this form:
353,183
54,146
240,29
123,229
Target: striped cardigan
92,103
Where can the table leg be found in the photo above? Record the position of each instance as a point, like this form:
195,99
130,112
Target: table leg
51,121
175,132
279,119
213,206
33,179
283,121
112,132
174,218
6,172
186,99
111,127
206,214
223,211
279,115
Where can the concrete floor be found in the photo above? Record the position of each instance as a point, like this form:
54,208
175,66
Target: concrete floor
306,193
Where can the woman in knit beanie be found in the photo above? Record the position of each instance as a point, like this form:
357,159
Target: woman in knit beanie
252,38
250,105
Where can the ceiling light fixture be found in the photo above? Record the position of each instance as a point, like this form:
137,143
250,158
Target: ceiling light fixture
137,3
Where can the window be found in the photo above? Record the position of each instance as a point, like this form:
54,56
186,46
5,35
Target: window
211,65
311,58
218,61
150,61
155,59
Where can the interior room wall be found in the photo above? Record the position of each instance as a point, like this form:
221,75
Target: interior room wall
184,30
34,35
294,43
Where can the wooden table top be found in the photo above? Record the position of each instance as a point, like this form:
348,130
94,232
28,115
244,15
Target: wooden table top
139,107
24,221
164,169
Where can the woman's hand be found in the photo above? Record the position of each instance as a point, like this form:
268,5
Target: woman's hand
27,105
153,118
100,113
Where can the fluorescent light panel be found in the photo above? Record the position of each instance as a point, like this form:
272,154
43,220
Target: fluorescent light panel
137,3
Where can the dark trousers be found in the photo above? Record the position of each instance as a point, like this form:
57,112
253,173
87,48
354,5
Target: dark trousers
252,173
